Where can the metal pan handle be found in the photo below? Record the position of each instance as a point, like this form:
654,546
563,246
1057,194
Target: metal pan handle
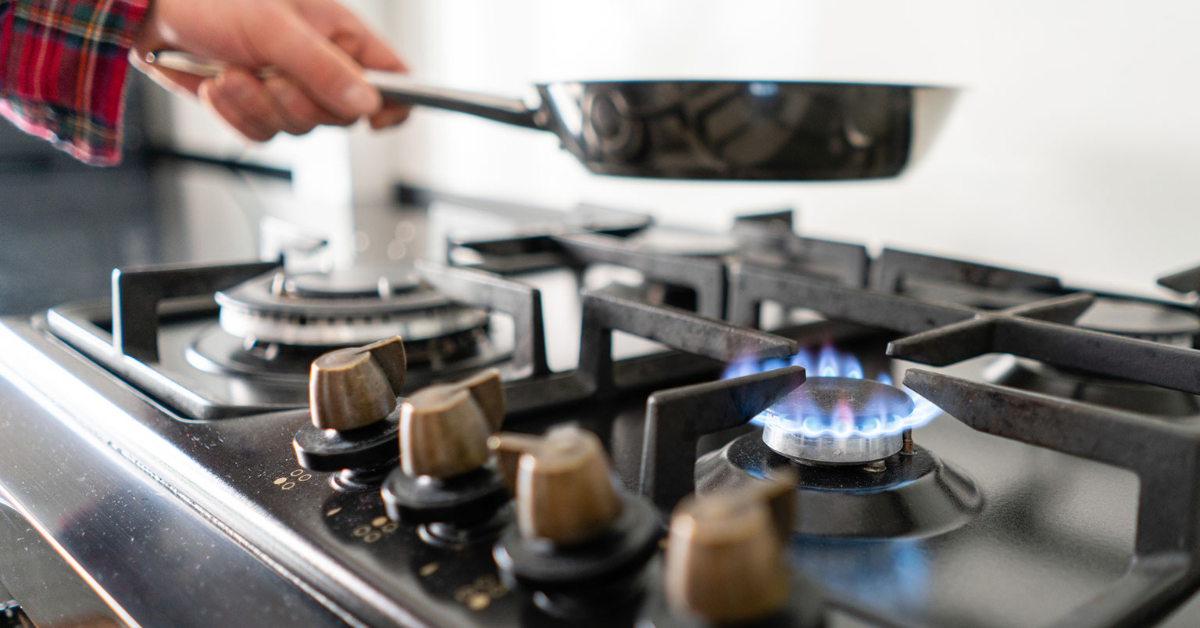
391,86
401,88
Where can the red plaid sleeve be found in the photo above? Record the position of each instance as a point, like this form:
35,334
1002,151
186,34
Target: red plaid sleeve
62,71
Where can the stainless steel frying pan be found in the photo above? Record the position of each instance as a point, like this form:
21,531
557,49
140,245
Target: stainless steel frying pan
744,130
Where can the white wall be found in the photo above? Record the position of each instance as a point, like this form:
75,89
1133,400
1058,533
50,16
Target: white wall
1071,151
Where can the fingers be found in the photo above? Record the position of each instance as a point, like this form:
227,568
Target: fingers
391,115
322,70
240,99
297,109
260,109
336,22
318,48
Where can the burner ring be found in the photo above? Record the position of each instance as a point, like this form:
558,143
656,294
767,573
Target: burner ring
915,495
838,421
348,330
831,450
1145,320
256,310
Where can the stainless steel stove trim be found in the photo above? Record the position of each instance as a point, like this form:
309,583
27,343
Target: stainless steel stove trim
106,545
76,325
37,585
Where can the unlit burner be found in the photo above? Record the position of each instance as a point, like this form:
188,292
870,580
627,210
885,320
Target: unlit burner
838,421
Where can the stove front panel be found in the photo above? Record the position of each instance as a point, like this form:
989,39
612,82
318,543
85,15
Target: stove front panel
227,501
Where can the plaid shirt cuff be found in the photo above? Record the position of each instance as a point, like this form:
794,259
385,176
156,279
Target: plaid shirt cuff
63,71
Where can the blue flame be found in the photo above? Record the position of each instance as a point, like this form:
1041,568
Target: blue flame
741,368
832,363
775,363
802,359
851,367
827,362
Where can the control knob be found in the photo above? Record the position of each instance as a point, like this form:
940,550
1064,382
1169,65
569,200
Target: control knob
726,564
354,409
446,477
579,542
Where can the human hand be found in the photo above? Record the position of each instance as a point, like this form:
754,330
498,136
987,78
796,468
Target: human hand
318,48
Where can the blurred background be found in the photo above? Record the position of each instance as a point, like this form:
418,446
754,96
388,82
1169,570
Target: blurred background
1069,150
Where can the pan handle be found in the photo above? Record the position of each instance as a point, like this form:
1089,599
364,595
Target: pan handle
391,86
401,88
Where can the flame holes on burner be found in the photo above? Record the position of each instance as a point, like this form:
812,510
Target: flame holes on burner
864,418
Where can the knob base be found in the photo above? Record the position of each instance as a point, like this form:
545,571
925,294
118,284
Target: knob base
472,497
624,550
457,535
369,447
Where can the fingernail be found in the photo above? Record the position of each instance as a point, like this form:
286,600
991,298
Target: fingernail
361,98
389,117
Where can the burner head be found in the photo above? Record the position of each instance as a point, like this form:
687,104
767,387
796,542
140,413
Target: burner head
352,283
838,421
1143,320
342,308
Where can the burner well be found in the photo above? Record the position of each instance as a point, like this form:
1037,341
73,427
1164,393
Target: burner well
914,495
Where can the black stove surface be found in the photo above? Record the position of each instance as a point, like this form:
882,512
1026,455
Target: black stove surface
1047,522
1015,509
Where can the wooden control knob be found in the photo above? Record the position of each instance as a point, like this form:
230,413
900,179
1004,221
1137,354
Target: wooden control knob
563,484
725,559
444,428
355,387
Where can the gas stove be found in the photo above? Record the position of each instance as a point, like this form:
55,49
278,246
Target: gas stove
586,419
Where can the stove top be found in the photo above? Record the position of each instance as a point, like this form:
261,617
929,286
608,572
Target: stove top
753,429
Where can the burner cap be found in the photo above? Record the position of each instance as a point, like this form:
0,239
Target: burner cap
838,421
341,309
1140,319
352,283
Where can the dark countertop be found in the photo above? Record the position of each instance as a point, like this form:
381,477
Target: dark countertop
64,226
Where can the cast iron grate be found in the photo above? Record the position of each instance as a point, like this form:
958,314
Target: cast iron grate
1165,455
941,334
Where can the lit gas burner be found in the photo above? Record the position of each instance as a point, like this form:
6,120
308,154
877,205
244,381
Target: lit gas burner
837,417
838,421
840,441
